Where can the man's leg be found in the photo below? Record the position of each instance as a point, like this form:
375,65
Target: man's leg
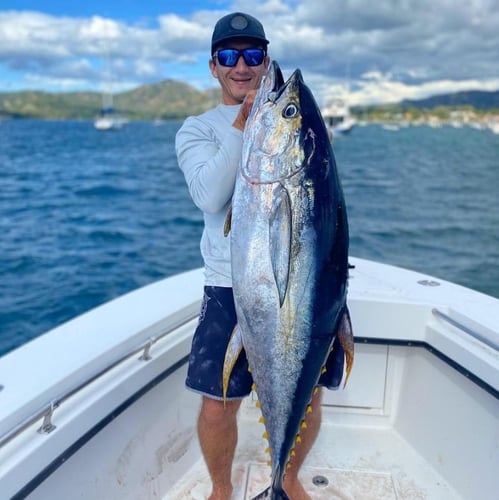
217,431
292,485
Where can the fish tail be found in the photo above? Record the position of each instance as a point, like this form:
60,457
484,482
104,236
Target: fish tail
270,494
275,491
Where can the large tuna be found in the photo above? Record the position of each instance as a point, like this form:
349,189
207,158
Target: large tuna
289,245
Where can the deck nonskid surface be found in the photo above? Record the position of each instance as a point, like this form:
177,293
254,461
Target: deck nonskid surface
347,462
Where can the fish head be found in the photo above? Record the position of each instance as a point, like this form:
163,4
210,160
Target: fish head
281,134
271,146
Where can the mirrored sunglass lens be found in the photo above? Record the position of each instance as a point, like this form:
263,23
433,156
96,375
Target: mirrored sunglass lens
253,57
228,57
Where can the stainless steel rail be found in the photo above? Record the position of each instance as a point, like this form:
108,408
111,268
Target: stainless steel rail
466,329
181,318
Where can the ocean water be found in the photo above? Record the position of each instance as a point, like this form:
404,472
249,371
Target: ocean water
86,216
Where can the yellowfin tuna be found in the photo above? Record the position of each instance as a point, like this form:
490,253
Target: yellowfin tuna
289,246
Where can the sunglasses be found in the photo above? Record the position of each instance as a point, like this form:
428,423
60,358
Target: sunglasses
229,57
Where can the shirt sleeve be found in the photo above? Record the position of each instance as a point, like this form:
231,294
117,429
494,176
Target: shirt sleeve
209,163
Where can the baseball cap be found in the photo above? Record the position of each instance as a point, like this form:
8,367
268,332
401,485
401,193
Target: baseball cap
237,25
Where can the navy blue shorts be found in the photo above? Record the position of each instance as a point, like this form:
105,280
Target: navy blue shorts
217,320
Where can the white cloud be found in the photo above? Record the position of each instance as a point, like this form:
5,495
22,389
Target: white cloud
379,51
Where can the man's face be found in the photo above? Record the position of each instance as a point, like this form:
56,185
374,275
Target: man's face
238,80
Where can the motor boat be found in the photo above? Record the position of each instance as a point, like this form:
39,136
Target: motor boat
338,118
96,408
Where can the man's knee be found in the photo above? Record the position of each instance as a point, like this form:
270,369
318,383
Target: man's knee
214,411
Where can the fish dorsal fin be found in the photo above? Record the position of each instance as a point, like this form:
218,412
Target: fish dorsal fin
280,225
228,221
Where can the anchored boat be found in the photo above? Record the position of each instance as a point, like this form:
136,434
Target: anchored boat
96,408
338,118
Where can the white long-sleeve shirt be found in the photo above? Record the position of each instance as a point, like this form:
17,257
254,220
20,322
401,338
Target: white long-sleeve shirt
208,151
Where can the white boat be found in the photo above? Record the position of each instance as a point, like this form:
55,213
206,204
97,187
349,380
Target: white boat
109,121
97,409
338,118
391,127
494,126
108,118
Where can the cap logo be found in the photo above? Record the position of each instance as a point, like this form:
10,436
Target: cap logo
239,22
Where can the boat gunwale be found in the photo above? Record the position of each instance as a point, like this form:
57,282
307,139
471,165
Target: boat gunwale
47,409
30,486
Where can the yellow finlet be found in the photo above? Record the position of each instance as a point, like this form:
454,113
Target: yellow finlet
265,435
261,420
258,404
309,409
303,424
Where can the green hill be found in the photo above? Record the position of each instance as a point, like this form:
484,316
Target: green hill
36,104
166,100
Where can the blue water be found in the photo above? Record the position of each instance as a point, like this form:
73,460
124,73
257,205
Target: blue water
86,216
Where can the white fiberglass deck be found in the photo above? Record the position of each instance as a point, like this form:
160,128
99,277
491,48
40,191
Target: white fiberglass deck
421,425
348,462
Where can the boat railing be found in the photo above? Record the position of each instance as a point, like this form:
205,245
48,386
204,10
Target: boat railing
46,412
466,329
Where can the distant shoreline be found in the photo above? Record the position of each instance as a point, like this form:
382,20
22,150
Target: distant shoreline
172,100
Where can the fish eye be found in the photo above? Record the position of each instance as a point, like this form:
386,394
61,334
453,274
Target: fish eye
290,111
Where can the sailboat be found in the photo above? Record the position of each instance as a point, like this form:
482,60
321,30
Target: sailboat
108,119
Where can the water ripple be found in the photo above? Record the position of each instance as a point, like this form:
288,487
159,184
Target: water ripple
87,216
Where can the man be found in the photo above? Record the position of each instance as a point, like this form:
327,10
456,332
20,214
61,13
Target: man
209,149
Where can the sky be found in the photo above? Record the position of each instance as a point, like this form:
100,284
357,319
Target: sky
370,52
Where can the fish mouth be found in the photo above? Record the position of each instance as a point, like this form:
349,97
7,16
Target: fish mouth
275,84
274,81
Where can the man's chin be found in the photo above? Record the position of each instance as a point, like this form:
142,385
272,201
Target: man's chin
240,91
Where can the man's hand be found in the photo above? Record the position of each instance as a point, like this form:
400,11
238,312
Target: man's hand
244,112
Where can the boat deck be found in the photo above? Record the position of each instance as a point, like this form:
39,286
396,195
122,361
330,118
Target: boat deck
346,463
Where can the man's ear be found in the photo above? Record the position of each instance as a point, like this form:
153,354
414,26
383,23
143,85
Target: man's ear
213,68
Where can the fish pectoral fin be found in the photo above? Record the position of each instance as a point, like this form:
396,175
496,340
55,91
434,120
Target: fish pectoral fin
232,353
345,336
280,230
228,222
